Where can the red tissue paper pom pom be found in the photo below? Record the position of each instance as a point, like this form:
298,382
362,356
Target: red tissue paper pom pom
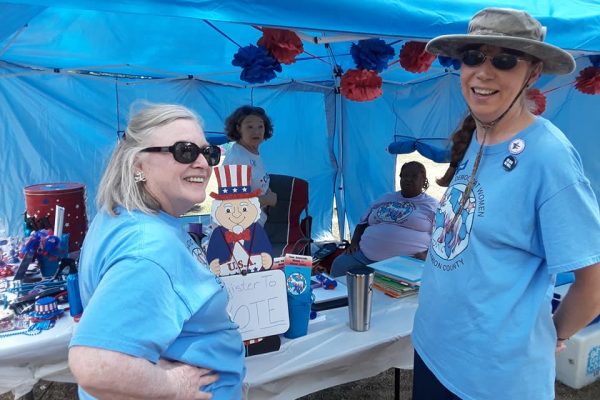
536,101
284,45
414,58
588,81
361,85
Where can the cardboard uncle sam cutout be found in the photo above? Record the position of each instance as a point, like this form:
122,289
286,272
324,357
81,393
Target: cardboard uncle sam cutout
238,244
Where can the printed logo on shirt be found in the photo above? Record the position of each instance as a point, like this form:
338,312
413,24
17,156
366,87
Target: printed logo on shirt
461,166
394,212
264,183
449,241
593,362
200,255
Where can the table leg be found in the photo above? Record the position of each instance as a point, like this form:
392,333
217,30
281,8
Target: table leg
396,384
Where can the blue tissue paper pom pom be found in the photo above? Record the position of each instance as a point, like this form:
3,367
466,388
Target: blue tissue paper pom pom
595,60
372,54
449,62
258,66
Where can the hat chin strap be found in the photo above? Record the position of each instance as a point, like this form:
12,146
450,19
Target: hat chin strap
486,128
488,125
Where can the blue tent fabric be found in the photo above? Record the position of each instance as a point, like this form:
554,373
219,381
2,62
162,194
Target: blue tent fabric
70,71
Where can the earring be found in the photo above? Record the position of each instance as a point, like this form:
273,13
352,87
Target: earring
139,176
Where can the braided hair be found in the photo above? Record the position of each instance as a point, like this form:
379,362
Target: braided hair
460,143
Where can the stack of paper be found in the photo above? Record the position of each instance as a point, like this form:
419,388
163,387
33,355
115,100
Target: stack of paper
326,299
398,276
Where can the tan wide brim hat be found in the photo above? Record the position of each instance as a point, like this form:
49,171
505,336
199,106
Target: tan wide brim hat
508,28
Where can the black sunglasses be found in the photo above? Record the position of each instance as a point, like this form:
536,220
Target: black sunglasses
187,152
502,61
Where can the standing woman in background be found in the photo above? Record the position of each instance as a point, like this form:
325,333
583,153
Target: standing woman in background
155,324
249,127
517,211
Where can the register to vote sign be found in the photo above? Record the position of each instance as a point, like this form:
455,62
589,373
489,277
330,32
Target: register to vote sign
258,303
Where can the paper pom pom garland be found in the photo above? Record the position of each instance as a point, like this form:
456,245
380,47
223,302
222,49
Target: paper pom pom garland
258,66
372,54
414,58
449,62
361,85
588,80
283,45
536,101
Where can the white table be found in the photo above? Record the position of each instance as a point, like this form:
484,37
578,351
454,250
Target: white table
24,360
331,354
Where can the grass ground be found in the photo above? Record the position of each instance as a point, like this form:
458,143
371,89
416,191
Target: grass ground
379,387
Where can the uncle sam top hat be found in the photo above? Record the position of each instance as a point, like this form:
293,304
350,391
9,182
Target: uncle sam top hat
46,308
234,182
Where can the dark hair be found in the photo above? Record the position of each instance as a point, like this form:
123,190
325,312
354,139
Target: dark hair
236,118
460,143
421,168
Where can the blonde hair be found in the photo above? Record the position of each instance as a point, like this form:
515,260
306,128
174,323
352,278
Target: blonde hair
118,186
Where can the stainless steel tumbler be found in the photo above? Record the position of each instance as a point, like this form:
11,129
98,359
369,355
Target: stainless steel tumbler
360,297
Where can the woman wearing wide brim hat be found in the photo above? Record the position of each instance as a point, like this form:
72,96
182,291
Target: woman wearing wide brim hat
518,210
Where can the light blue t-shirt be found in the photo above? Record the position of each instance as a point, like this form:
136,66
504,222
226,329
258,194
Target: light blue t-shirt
146,295
484,324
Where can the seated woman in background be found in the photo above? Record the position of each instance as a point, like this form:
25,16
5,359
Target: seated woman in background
397,224
249,127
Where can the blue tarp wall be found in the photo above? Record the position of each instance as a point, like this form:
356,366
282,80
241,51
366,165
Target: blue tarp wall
70,70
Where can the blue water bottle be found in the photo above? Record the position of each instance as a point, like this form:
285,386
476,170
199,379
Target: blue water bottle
75,307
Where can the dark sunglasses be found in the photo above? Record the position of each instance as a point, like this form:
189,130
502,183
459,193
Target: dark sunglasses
187,152
502,61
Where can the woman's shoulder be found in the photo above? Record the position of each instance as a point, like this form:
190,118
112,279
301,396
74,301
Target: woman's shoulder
136,230
553,151
548,138
237,154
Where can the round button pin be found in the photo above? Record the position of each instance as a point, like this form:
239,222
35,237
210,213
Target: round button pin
516,146
509,163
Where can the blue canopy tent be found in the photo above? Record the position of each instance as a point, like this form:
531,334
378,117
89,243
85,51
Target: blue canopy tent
70,71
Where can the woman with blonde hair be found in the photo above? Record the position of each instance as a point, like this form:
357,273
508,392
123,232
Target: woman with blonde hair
155,324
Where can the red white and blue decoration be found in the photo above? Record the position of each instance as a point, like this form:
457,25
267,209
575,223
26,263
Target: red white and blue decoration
414,58
46,308
372,54
282,44
258,66
364,83
536,101
238,244
449,62
361,85
261,62
588,80
234,182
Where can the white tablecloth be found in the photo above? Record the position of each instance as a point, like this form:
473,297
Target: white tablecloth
24,360
331,354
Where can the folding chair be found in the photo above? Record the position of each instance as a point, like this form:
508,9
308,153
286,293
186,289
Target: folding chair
289,225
